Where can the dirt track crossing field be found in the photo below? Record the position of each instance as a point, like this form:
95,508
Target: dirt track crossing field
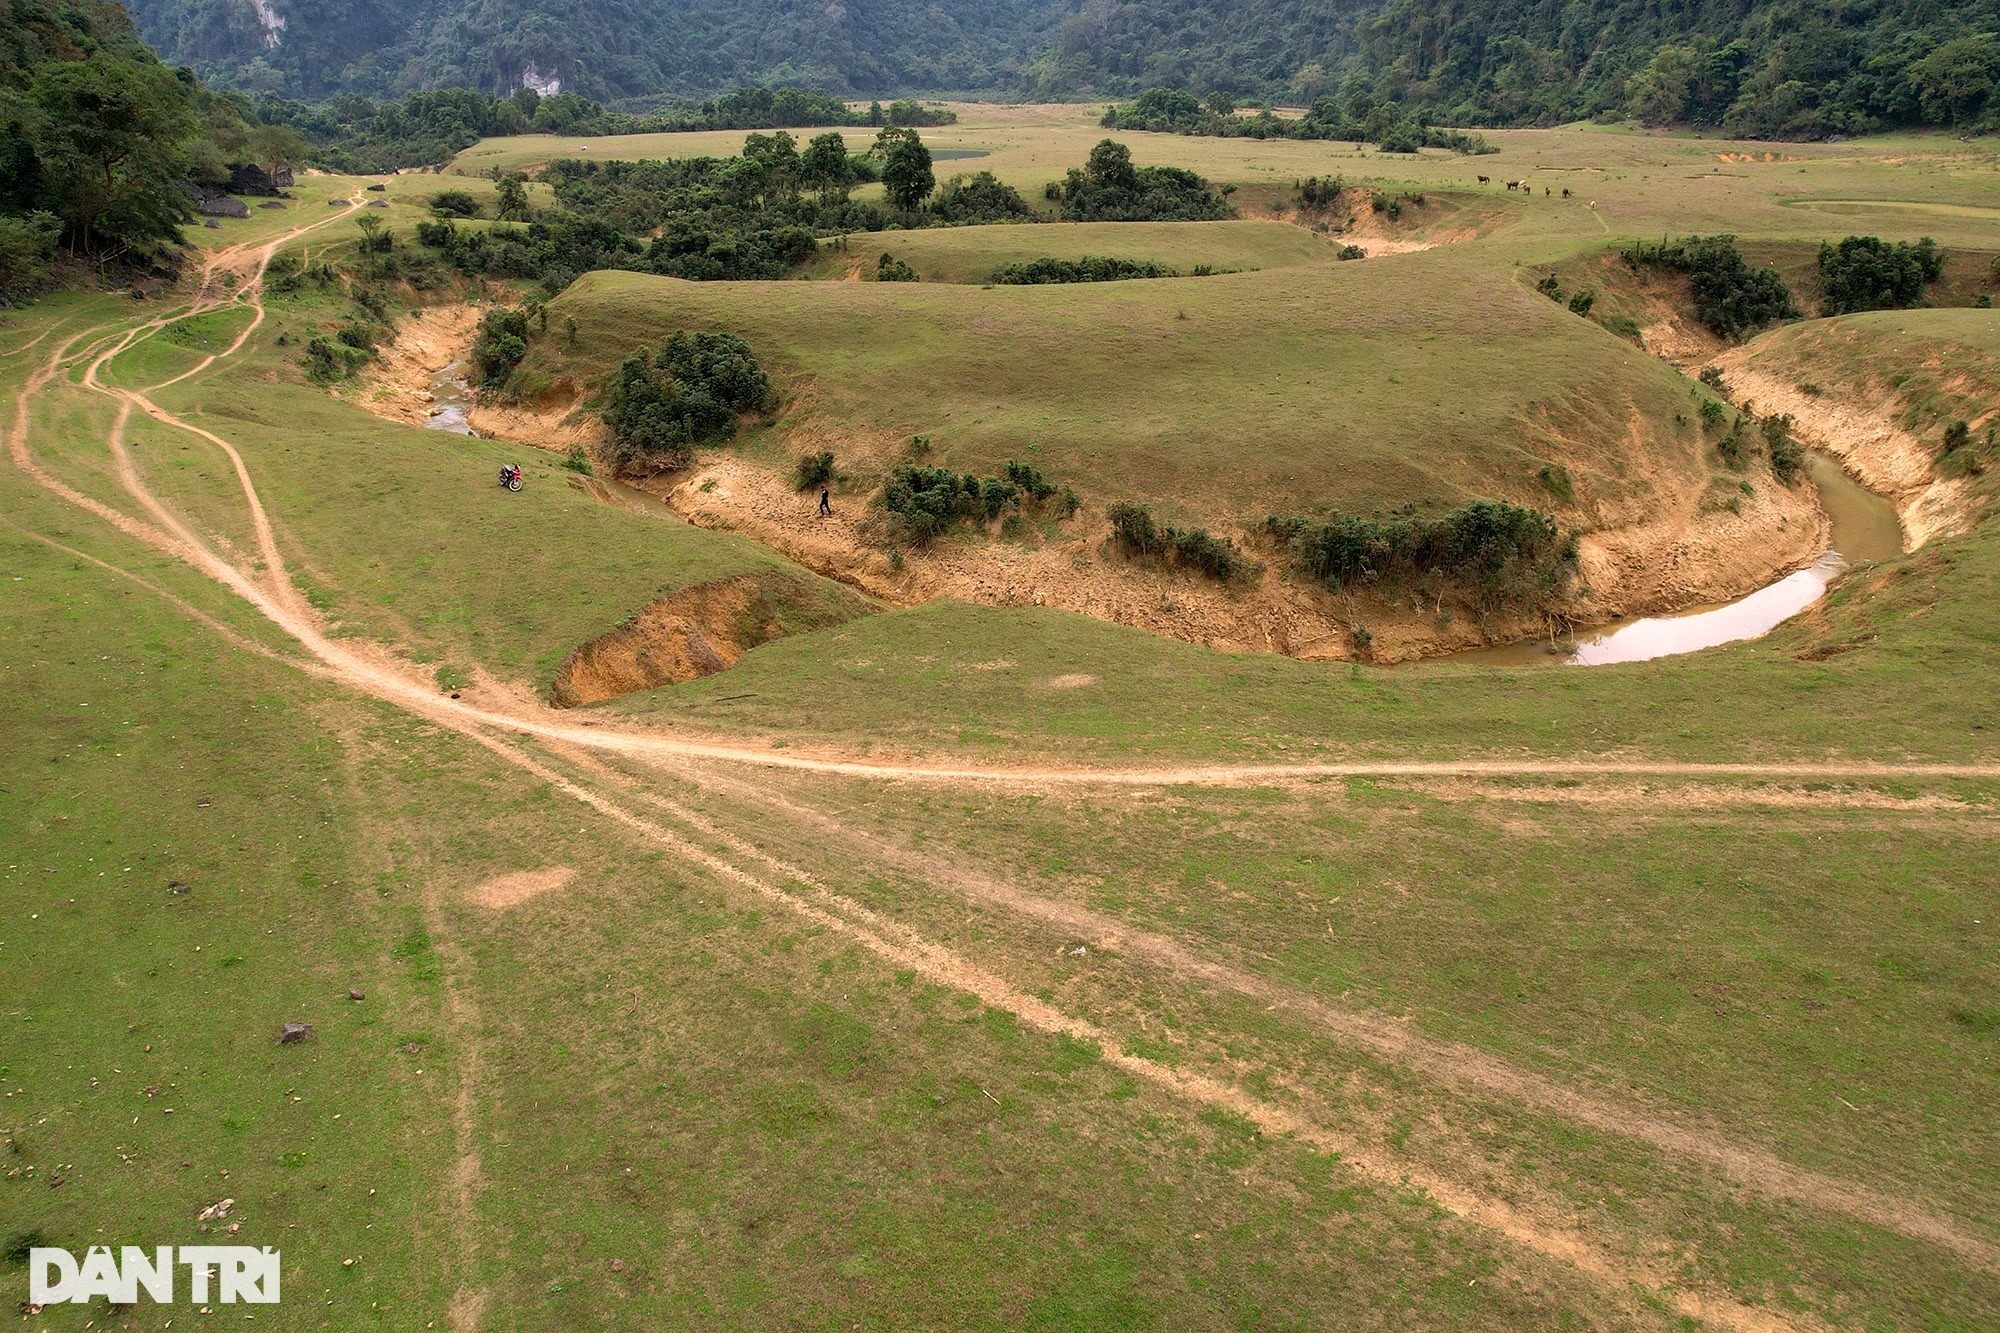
581,762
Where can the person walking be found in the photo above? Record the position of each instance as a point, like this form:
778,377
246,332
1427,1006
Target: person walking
825,502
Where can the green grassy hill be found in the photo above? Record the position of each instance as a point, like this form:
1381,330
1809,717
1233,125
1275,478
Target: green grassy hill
1226,398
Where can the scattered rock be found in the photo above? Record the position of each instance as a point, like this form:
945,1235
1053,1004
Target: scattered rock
378,203
222,206
377,188
271,203
178,886
617,1265
216,1211
293,1032
336,203
411,1048
212,223
356,996
252,179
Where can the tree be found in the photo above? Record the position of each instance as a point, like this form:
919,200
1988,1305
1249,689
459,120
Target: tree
823,167
906,166
112,149
1957,79
1110,166
513,197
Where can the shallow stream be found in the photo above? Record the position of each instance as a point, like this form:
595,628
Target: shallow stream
1865,529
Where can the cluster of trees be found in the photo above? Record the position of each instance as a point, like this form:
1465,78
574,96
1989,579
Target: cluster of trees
98,141
1868,273
1505,556
1389,127
1108,188
659,408
755,216
1783,69
924,502
1137,535
1731,296
1090,268
352,133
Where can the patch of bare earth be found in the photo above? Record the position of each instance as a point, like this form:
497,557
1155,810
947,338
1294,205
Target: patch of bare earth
398,384
507,891
1864,437
689,634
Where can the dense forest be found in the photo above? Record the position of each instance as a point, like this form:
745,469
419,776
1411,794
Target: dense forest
105,153
1796,68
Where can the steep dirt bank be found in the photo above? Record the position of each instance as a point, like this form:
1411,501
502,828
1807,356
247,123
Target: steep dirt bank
1689,548
693,633
1864,436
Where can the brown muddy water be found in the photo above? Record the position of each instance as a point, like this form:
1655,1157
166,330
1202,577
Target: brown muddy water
1865,529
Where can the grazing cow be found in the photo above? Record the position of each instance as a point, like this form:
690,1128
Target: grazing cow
1513,185
1565,191
1485,180
1545,192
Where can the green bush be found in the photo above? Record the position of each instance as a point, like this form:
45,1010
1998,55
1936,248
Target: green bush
1581,302
1090,268
1505,555
1556,481
1730,297
1197,549
1712,412
502,342
813,470
658,410
27,249
1788,460
891,269
1868,273
923,502
454,203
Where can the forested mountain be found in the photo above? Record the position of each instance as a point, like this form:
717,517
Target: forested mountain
1792,67
104,151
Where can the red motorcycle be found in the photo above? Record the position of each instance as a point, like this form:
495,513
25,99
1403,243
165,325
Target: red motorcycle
510,476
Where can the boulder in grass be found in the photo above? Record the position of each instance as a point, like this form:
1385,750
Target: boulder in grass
293,1033
222,206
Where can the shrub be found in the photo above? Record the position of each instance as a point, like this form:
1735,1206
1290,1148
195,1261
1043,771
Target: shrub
1090,268
1868,273
656,419
327,360
578,462
1712,377
813,470
1504,554
923,502
1549,287
1351,252
502,342
1956,436
1135,533
1787,459
1581,302
1730,297
1556,480
454,203
1712,413
891,269
27,249
1732,449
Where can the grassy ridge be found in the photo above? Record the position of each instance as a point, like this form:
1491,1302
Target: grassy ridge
1225,397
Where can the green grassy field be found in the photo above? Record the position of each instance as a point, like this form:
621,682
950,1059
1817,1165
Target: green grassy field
1222,398
1544,1048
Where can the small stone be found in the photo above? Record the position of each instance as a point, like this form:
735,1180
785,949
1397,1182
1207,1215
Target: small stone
617,1265
292,1033
356,996
176,886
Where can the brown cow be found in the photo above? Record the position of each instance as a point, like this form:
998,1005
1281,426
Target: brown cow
1565,191
1485,180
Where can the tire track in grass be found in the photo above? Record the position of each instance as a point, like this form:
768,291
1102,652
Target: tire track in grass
377,674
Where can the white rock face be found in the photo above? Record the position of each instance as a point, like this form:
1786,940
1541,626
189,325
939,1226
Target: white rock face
273,22
548,85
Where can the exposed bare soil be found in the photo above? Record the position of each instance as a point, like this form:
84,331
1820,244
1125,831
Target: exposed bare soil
693,633
1866,440
506,891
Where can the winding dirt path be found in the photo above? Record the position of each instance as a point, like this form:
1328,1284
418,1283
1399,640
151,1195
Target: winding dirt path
371,670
